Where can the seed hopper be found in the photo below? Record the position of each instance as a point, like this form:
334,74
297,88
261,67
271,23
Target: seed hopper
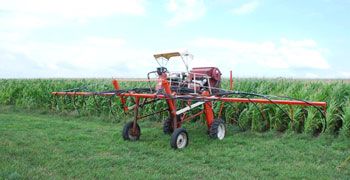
188,94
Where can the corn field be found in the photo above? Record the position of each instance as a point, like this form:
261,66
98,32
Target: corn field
35,94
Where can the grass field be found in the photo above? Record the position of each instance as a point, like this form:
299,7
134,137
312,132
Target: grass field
41,146
42,136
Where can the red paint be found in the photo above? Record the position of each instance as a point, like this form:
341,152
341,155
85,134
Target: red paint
115,84
208,110
170,101
122,99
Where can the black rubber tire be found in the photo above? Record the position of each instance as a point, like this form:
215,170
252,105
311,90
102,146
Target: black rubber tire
174,138
167,126
127,130
213,131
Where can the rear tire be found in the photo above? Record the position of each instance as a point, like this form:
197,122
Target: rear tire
167,126
217,129
179,139
128,133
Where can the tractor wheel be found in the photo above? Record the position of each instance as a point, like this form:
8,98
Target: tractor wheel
217,129
167,126
179,139
128,133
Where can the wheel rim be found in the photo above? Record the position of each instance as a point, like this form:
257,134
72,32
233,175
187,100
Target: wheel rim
221,131
181,140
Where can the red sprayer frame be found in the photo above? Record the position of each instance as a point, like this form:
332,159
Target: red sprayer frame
171,96
178,103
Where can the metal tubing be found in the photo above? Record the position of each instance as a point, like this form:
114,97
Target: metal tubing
187,108
136,110
170,101
265,101
122,99
158,112
211,98
193,116
208,109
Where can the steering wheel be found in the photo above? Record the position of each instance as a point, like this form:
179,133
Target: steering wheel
161,70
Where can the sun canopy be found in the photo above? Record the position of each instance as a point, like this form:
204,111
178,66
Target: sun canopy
167,55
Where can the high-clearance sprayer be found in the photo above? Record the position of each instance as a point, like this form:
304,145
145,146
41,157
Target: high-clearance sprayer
197,88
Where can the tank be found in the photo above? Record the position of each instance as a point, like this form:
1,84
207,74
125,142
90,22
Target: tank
200,75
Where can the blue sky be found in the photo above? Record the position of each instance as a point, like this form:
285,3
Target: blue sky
117,38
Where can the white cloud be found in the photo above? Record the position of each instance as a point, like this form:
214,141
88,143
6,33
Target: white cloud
285,54
185,11
76,8
20,21
10,36
246,8
345,74
89,57
299,43
23,15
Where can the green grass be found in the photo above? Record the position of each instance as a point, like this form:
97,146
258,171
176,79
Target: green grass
41,146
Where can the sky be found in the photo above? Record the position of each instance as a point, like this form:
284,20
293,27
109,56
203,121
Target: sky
117,38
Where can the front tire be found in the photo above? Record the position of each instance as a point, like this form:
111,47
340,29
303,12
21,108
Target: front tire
179,139
217,129
129,134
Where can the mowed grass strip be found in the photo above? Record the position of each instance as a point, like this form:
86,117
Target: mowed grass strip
45,146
